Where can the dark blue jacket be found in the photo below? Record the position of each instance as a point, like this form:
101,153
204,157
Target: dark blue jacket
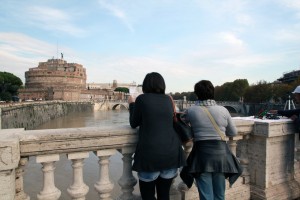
158,147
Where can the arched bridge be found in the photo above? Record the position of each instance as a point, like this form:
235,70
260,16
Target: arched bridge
111,105
233,107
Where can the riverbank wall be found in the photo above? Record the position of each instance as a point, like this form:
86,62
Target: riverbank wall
31,115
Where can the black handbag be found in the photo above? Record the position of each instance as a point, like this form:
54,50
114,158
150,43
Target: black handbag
183,130
186,176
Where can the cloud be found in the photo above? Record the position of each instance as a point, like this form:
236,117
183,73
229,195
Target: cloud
52,19
295,4
117,12
17,43
231,39
245,19
288,35
19,52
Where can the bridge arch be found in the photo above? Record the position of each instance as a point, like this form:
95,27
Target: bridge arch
119,105
231,109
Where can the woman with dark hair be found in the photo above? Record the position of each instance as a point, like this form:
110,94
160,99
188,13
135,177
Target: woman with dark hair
158,153
210,160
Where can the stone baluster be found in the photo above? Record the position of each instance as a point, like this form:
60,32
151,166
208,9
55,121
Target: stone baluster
232,143
78,189
186,193
127,180
0,118
174,193
244,159
20,194
104,186
297,148
49,192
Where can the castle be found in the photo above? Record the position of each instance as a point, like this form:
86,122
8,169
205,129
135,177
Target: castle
58,80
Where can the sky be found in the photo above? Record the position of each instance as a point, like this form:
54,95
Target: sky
185,41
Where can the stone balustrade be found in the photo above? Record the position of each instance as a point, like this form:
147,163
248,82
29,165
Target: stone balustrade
267,150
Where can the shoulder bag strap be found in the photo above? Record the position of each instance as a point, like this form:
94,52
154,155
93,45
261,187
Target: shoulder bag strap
214,123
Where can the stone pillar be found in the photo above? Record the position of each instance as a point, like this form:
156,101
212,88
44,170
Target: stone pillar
20,194
271,156
9,161
78,189
297,158
104,186
49,192
127,180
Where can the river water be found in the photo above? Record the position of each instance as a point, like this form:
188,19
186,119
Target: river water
89,119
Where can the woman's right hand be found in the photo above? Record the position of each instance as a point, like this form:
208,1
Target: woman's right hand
273,111
131,99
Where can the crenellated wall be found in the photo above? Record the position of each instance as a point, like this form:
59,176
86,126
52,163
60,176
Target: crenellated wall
31,115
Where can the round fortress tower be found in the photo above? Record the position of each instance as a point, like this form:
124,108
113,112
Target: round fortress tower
56,73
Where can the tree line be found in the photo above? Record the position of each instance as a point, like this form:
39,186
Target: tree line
240,90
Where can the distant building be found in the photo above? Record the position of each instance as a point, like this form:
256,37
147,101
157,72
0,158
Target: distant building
290,76
54,80
112,85
102,91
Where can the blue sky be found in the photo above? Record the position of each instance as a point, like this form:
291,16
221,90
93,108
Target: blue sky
185,41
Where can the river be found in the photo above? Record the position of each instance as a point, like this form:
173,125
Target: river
88,119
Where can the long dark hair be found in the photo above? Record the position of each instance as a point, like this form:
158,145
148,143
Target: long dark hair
154,83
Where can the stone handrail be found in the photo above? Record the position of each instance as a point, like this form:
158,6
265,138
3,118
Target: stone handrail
257,145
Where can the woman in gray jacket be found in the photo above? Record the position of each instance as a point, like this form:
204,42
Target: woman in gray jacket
210,161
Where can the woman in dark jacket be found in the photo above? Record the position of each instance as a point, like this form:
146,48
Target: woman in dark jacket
158,153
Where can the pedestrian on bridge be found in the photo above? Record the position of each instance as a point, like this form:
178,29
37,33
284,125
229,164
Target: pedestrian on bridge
293,114
158,152
210,160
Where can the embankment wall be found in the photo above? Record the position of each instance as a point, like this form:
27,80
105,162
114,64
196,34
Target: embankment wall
29,116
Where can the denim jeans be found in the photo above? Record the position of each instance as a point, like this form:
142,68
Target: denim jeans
151,176
211,186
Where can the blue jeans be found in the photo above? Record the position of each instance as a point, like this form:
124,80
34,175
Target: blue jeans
151,176
211,186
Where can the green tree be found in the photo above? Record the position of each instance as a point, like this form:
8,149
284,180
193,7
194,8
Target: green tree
9,85
231,91
122,89
280,92
239,88
259,93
